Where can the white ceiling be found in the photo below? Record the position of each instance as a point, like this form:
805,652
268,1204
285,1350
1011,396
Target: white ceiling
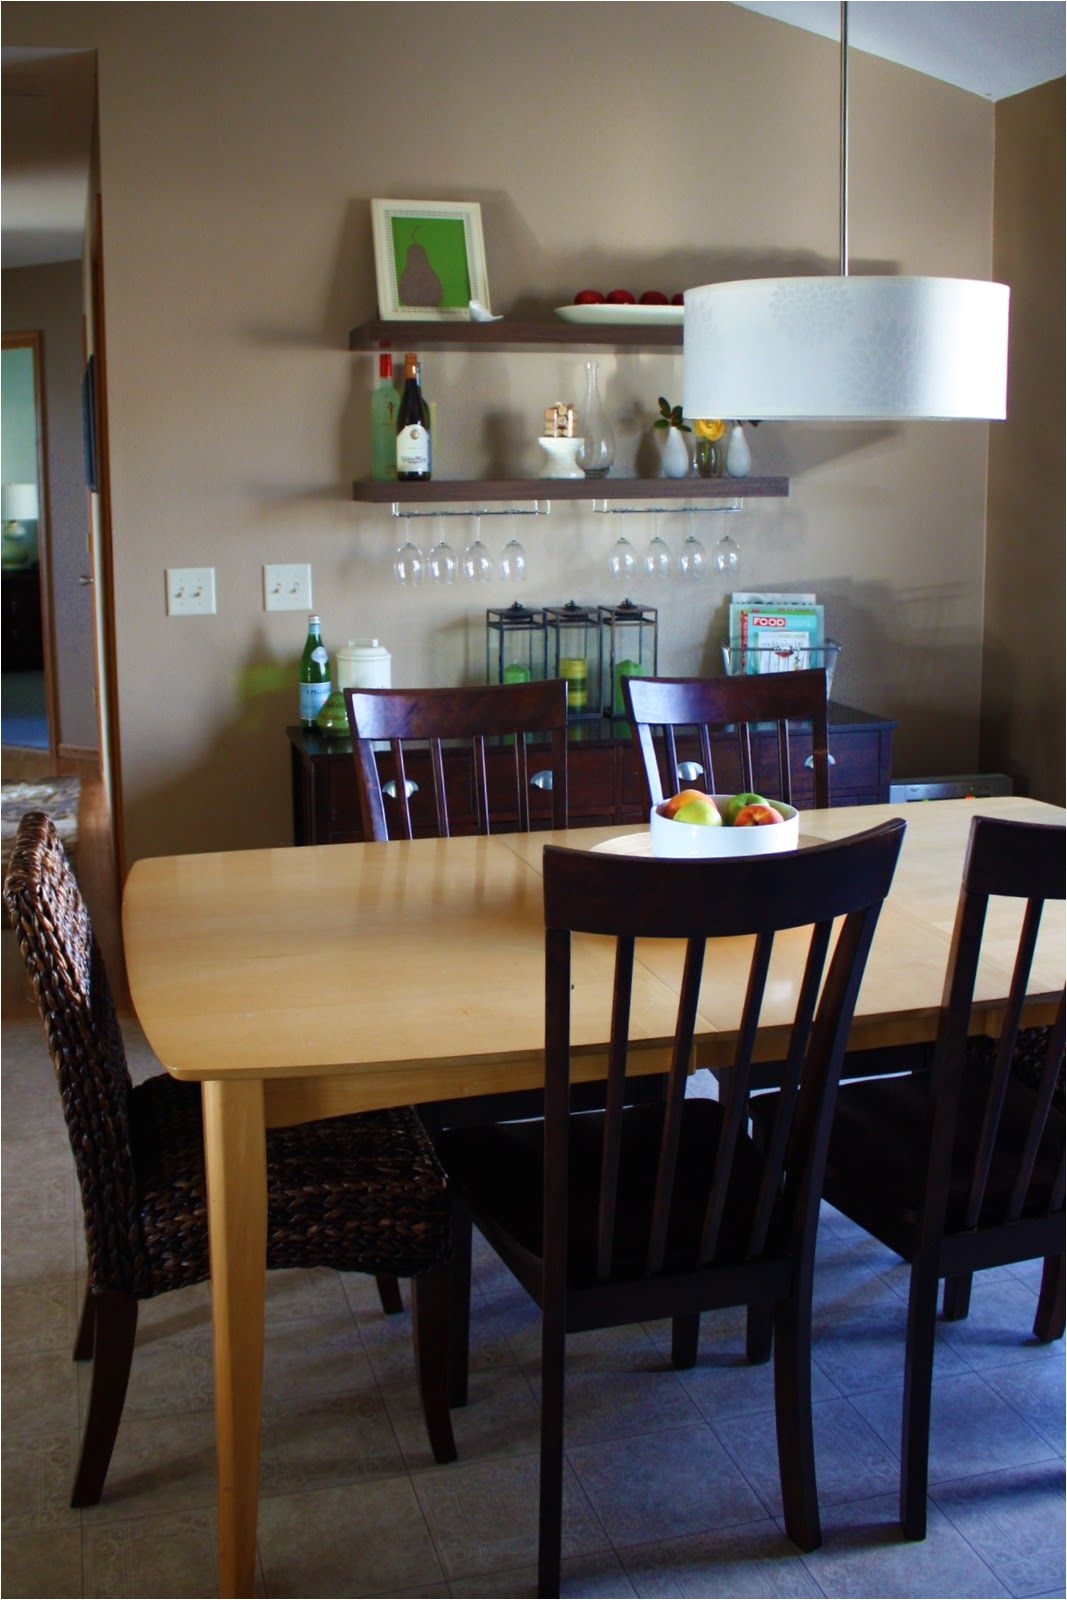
992,48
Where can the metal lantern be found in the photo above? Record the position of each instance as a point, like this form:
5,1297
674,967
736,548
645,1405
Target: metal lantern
573,652
516,644
628,649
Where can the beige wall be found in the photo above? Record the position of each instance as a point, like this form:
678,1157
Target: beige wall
240,146
50,299
1023,667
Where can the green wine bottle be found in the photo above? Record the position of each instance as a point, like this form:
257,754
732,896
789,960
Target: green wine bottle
383,408
314,674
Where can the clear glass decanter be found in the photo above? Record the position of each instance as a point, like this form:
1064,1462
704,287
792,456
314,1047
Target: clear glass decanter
597,449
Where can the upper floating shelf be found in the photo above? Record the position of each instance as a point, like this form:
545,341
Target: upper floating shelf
471,491
512,334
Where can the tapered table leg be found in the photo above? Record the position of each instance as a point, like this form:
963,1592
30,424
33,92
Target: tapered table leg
236,1158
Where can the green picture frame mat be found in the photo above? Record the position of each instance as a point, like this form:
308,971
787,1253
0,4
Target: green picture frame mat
444,240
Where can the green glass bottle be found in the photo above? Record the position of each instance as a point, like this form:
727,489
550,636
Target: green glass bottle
383,408
314,674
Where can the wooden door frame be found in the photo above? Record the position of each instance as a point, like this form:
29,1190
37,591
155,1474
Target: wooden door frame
33,339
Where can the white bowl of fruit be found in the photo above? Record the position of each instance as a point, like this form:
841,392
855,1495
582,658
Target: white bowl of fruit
692,823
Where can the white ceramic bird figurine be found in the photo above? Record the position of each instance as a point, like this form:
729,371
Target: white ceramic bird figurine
479,313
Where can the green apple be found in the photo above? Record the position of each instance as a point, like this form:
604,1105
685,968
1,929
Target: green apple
737,804
701,809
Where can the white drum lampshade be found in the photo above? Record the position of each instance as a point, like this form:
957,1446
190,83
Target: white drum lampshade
18,502
846,349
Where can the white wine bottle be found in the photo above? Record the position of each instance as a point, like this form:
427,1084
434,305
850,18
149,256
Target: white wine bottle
413,442
383,408
314,674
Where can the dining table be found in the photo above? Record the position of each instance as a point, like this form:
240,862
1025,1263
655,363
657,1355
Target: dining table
304,982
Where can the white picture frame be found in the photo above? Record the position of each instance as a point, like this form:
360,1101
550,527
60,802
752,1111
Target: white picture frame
429,258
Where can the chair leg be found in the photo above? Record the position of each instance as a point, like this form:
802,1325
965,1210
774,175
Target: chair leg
759,1333
1048,1323
793,1420
83,1341
685,1341
114,1324
430,1305
389,1293
459,1314
957,1297
918,1385
550,1519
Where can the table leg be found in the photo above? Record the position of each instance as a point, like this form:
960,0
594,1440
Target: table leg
236,1160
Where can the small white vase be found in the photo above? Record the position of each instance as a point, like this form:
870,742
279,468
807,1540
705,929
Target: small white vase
674,453
560,454
738,455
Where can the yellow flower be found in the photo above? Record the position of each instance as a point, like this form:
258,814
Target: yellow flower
709,428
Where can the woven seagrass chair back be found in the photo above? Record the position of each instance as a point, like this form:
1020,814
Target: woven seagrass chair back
77,1008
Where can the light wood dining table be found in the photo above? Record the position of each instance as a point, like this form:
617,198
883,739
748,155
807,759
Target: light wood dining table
306,982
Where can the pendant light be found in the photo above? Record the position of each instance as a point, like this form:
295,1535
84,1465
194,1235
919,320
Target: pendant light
846,348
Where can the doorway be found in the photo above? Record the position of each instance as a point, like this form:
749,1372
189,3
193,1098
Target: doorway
27,716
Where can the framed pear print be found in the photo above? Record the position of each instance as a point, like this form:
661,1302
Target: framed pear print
430,259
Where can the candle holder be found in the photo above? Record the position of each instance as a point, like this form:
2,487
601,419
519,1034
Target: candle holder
628,649
573,637
516,644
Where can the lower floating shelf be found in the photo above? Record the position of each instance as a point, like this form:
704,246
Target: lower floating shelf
474,491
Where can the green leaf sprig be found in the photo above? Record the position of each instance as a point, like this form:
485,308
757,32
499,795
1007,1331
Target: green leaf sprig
670,417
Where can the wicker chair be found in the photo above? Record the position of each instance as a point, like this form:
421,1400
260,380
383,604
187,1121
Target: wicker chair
358,1194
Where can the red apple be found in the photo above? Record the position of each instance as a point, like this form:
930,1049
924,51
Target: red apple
589,297
620,297
757,816
677,299
653,297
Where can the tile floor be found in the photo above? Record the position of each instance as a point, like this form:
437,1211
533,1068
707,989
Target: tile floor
672,1480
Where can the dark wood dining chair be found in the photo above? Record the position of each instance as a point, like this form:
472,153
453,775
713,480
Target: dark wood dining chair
358,1193
645,1211
494,722
702,705
962,1168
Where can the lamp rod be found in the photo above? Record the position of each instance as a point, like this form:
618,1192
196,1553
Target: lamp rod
843,181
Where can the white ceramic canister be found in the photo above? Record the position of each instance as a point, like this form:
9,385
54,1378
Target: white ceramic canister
366,665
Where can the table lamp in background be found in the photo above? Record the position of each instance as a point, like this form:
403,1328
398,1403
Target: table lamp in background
18,505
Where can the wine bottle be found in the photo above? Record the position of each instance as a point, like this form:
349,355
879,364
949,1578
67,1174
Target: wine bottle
412,428
383,409
314,674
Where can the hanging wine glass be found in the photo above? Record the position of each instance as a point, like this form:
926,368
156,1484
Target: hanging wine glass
442,563
477,562
513,562
658,559
727,557
693,560
409,563
622,560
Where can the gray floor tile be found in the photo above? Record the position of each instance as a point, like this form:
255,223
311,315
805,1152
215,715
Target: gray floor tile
998,1329
165,1556
971,1428
1014,1520
753,1561
663,1485
583,1576
862,1347
865,1556
1037,1393
35,1564
358,1539
501,1418
851,1461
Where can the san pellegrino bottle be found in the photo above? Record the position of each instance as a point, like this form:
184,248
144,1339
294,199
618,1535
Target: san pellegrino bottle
383,409
413,444
314,674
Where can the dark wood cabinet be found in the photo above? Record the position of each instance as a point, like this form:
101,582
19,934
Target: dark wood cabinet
604,777
23,644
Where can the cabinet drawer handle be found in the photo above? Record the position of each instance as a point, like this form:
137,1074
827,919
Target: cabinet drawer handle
810,761
688,770
541,780
410,788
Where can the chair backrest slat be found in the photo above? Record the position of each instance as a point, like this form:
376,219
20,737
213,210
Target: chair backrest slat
828,888
740,704
434,719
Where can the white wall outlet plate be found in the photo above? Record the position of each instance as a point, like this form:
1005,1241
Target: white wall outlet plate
287,588
190,591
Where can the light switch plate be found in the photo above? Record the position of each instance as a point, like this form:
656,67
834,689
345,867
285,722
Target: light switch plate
287,588
190,591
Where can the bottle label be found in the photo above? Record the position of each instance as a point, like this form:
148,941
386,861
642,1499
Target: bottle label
319,656
413,449
313,697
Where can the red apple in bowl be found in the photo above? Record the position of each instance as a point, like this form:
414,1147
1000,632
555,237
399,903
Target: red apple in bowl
653,297
677,299
589,297
757,816
620,297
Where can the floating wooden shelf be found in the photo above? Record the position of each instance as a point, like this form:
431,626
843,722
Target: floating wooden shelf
475,491
513,334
